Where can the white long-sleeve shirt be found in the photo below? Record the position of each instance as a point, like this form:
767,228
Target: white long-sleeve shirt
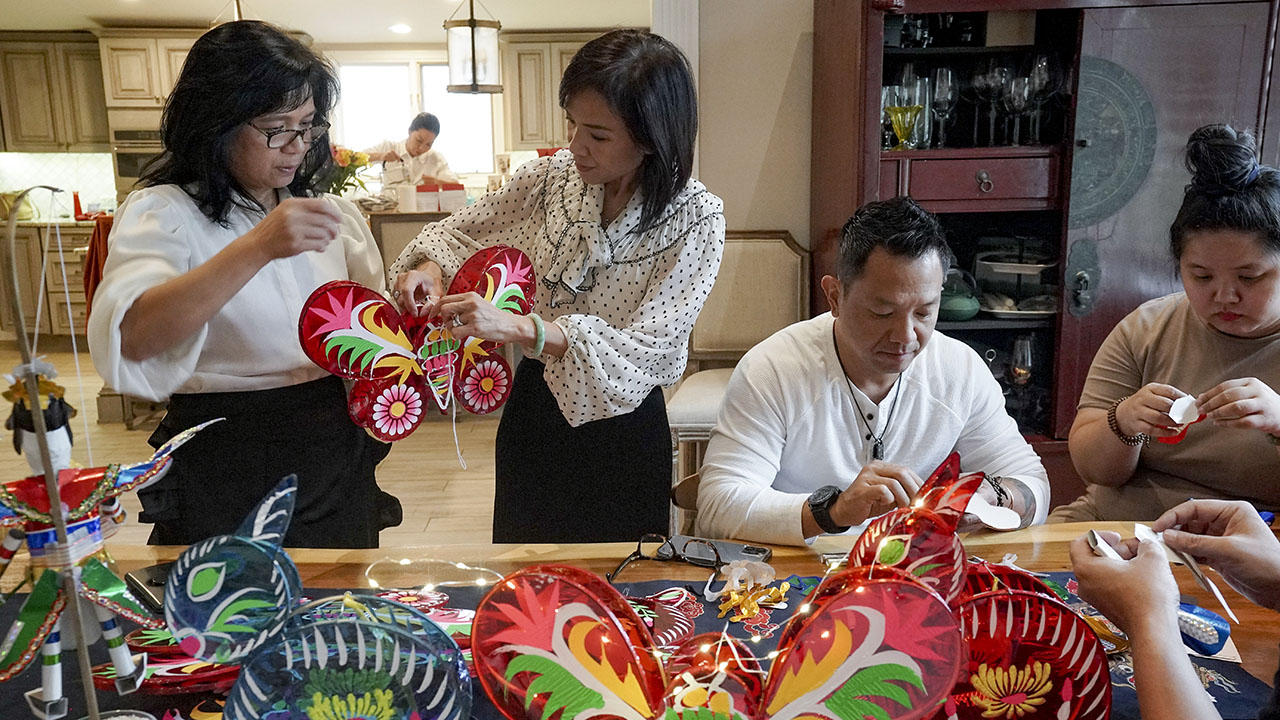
789,425
430,163
252,342
626,300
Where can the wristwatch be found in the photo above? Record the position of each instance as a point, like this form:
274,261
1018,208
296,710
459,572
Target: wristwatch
820,502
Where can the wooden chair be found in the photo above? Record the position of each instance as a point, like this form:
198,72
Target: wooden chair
763,286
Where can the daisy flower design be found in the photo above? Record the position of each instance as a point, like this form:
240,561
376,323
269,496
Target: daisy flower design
485,386
396,410
423,600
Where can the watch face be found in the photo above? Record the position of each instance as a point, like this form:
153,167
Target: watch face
823,495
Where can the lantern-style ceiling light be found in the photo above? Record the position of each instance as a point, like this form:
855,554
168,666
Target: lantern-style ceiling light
475,64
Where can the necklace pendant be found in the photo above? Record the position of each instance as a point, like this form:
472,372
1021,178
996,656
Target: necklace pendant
877,450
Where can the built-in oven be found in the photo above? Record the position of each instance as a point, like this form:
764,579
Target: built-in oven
135,141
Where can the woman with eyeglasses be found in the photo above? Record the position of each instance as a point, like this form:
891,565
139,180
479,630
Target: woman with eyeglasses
210,262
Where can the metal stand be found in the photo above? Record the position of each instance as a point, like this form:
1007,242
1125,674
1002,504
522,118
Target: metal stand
70,580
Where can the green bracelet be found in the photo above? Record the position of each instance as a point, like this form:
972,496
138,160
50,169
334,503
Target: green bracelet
539,335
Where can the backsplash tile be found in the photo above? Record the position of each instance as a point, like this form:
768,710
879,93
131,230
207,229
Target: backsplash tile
90,173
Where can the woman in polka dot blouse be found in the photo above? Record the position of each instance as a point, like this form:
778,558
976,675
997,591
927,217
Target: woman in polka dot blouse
626,247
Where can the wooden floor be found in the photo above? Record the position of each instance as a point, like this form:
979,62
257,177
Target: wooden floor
443,503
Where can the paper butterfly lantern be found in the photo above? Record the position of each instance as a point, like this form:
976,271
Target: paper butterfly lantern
399,361
1029,654
554,639
232,600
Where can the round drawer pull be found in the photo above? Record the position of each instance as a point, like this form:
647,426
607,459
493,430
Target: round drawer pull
984,182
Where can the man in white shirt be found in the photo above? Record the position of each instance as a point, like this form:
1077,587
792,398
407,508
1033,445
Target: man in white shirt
423,166
835,420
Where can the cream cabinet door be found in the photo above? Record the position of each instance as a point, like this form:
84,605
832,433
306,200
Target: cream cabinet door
29,103
131,72
561,54
527,75
172,53
27,257
84,99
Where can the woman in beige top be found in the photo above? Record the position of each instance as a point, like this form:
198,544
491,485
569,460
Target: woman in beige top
1218,341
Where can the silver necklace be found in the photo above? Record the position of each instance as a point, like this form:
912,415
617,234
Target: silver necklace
877,441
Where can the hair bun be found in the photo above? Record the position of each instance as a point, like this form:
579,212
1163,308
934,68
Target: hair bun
1222,160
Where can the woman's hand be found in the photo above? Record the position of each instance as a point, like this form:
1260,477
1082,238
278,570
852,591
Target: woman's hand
1146,412
417,291
295,226
386,157
1242,403
1229,536
477,317
1131,592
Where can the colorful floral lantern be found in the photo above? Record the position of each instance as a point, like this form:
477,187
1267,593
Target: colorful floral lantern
399,361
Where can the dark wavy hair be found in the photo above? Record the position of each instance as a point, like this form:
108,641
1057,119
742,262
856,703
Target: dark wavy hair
234,73
900,226
1229,189
424,121
648,83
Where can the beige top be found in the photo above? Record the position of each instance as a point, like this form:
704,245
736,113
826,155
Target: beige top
1164,341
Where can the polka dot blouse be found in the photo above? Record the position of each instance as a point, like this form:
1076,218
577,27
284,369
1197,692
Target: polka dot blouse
625,300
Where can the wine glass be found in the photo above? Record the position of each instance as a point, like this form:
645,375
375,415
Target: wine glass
890,95
945,95
1041,91
1016,98
997,80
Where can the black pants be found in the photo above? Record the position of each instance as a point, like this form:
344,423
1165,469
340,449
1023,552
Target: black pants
220,475
607,480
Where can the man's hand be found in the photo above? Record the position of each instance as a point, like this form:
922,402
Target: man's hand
879,488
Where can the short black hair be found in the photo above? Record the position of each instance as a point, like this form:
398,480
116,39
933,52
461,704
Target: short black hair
899,226
1229,189
424,121
235,72
648,83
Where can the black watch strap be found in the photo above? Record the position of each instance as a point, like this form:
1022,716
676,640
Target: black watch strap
820,502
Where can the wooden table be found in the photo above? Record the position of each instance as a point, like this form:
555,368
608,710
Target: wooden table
1041,548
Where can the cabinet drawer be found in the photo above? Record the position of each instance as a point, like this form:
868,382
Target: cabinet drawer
70,260
58,313
982,179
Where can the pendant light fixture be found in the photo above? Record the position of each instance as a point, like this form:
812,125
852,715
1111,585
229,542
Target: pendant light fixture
475,63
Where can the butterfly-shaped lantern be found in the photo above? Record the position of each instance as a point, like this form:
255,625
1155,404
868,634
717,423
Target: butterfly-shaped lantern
398,361
899,635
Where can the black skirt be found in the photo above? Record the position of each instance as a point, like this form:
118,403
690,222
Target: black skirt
607,480
220,475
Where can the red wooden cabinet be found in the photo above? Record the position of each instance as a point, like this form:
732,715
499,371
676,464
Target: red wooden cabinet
974,179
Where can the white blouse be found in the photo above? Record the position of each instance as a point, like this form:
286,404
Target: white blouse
252,342
430,163
626,300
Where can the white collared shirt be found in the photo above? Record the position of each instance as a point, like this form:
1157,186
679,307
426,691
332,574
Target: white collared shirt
789,425
252,342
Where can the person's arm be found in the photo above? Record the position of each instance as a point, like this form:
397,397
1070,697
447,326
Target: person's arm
385,151
619,365
177,308
1099,455
991,443
736,498
1243,404
438,168
1140,596
364,260
1230,537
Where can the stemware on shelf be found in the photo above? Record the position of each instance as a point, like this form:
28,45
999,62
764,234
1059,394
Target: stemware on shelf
890,95
904,119
1017,100
1041,90
997,79
945,95
921,93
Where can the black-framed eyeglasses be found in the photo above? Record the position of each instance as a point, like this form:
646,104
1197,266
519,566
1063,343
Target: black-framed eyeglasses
653,546
277,139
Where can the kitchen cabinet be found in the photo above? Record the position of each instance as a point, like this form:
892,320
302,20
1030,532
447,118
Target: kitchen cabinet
51,97
1096,194
141,71
532,65
27,258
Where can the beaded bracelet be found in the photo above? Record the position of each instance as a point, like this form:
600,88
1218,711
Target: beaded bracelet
539,335
1130,440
